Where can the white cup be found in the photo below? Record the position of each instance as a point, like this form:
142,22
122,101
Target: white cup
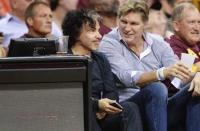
188,61
62,45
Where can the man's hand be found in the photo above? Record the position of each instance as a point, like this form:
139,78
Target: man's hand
3,52
104,105
197,65
195,85
178,70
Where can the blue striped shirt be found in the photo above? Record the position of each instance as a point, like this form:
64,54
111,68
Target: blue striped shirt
127,66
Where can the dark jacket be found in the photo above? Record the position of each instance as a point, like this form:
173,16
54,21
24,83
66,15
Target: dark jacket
103,85
27,36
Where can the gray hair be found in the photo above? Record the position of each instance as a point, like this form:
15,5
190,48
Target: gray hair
178,12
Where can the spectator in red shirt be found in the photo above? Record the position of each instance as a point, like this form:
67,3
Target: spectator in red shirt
186,25
108,11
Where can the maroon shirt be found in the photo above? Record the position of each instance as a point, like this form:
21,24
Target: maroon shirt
82,4
104,29
179,46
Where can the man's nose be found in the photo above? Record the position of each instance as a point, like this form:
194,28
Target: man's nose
98,35
127,27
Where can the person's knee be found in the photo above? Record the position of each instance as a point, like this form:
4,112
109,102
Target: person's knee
157,90
131,108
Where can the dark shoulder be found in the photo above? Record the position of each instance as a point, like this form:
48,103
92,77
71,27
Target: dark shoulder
100,58
27,36
98,54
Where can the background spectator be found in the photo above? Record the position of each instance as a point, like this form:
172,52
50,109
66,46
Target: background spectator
15,26
185,21
157,22
38,17
108,11
60,9
82,4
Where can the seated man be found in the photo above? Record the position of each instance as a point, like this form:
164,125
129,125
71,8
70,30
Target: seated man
38,18
107,9
185,22
82,26
141,60
14,26
186,27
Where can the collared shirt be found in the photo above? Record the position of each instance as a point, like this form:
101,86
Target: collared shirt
127,66
5,19
56,31
12,28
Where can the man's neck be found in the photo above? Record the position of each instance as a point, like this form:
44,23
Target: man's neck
36,35
138,47
78,49
185,41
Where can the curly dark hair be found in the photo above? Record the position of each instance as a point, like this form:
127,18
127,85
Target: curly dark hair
73,23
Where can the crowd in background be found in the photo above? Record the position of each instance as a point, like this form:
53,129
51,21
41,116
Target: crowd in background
159,20
145,35
159,16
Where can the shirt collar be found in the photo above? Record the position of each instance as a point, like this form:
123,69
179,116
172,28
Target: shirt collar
148,40
15,19
147,44
118,34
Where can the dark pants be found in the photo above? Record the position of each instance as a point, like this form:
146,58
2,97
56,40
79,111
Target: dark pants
152,102
128,120
184,111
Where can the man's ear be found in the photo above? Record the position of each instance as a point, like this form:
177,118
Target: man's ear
176,26
30,21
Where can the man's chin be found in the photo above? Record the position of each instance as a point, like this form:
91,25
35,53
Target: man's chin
129,40
194,42
94,48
